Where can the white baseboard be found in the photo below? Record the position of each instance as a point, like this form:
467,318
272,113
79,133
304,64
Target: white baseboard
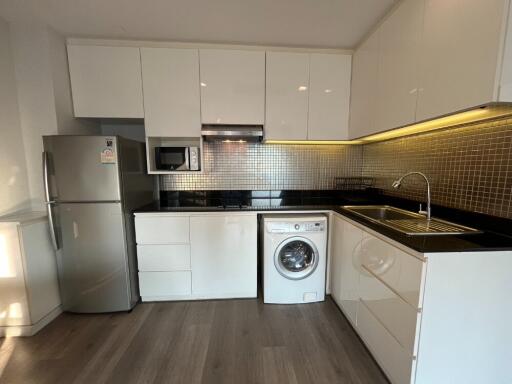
30,330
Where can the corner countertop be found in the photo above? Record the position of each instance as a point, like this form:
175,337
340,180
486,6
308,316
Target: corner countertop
496,232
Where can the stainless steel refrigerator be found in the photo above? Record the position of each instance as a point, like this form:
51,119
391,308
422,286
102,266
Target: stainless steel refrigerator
92,183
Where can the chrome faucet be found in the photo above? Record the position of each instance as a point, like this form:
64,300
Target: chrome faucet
397,183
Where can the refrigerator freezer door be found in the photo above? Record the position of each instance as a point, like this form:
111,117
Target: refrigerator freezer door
83,168
93,266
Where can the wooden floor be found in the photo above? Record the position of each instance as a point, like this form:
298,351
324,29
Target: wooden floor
229,341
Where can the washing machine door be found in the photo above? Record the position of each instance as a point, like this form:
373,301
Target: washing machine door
296,258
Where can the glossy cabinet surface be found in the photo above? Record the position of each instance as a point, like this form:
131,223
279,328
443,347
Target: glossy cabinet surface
164,285
170,78
397,269
162,229
106,81
287,96
460,54
363,94
392,358
397,87
329,96
163,257
345,265
395,314
224,255
232,86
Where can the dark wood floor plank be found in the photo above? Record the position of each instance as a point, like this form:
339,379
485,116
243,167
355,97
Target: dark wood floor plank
207,342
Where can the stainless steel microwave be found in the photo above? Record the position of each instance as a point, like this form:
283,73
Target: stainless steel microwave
177,158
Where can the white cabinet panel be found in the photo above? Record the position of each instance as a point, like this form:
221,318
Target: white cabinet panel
460,53
287,91
224,255
232,86
163,257
363,96
392,358
162,229
171,92
329,96
402,272
345,265
398,79
159,285
398,316
106,81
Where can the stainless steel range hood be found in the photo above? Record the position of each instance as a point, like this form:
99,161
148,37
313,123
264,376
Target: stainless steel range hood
243,133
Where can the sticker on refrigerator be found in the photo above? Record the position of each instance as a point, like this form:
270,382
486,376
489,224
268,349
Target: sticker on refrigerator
108,156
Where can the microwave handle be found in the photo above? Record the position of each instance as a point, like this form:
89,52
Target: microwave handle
187,157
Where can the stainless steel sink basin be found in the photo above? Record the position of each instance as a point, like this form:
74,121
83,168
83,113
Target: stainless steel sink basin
409,223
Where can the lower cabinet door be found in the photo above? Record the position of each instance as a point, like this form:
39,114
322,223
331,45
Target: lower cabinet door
163,257
393,359
156,286
224,256
345,245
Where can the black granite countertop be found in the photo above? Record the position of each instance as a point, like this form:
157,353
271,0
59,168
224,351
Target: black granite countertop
496,232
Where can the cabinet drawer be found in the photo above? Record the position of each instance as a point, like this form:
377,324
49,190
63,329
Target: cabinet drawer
162,230
163,257
163,284
399,270
392,358
395,314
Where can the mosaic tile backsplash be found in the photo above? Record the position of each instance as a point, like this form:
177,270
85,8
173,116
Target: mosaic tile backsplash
469,167
271,166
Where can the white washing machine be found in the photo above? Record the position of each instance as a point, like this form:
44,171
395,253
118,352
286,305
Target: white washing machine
294,258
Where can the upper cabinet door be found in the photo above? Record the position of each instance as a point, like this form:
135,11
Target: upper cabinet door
363,98
287,93
171,92
400,37
232,86
106,81
460,52
329,96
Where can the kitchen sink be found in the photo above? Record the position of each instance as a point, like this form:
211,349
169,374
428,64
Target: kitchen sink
407,222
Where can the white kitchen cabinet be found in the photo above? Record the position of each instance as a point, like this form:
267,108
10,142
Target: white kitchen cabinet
460,55
431,58
392,358
397,87
232,86
162,229
164,285
329,96
224,255
106,81
170,79
29,291
345,265
363,93
287,93
307,96
196,256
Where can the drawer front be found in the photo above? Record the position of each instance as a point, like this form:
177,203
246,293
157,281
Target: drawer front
395,314
160,284
163,257
399,270
162,230
392,358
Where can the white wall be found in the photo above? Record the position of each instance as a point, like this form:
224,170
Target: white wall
14,189
44,96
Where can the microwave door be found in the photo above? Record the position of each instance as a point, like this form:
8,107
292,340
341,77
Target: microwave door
172,158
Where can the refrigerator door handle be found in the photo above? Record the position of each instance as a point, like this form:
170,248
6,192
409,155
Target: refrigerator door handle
48,202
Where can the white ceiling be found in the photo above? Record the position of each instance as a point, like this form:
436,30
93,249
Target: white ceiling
304,23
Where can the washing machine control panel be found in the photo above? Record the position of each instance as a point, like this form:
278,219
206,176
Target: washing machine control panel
290,227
